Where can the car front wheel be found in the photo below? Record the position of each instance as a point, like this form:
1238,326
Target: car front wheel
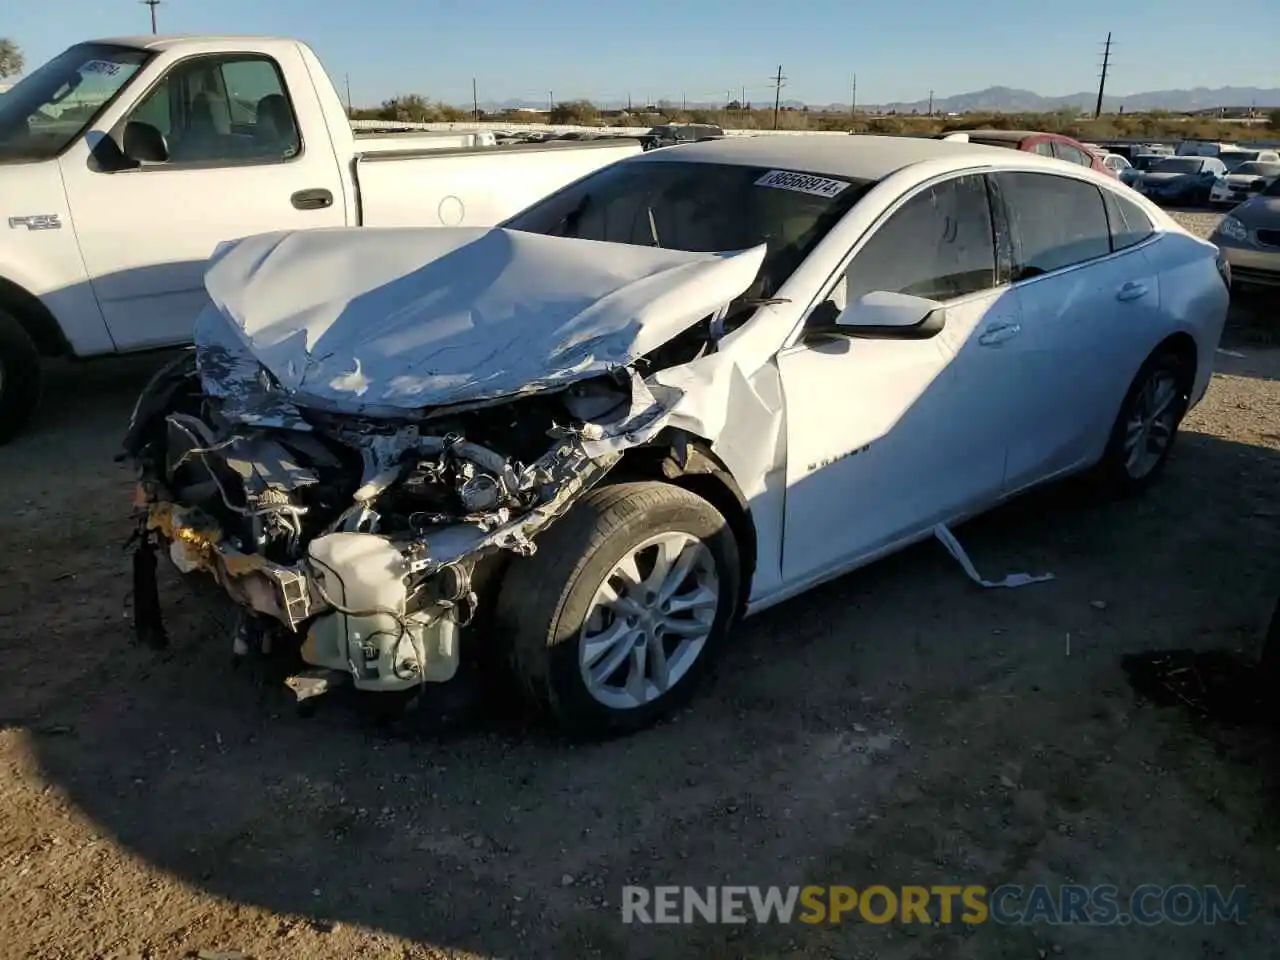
612,622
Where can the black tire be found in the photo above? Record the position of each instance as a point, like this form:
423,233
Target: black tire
544,599
19,377
1112,473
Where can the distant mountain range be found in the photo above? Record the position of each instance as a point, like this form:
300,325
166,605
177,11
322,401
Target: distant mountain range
1011,100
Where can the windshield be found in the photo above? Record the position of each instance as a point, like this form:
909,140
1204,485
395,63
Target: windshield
1179,165
1273,189
702,208
1258,169
49,108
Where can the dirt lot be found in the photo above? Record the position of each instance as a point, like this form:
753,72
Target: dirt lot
898,726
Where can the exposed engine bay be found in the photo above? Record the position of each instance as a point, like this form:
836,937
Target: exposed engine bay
364,536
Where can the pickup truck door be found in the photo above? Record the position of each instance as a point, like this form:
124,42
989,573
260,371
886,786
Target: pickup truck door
244,157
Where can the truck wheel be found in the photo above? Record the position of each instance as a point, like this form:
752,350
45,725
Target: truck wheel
19,377
612,622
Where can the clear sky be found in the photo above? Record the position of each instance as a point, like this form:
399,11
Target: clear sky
701,49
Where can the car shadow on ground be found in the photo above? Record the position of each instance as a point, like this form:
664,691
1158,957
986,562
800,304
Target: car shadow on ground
508,841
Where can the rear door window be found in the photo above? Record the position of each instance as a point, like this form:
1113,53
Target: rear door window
1056,222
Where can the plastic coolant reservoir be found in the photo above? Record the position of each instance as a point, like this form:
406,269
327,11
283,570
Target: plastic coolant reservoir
365,573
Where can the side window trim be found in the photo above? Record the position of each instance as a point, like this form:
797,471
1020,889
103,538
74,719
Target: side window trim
216,61
1002,233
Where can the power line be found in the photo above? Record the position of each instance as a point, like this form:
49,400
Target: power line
1102,77
779,82
152,4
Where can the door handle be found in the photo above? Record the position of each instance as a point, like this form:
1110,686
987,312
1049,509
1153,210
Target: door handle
316,199
1131,291
999,333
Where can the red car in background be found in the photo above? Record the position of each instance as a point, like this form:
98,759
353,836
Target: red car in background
1045,144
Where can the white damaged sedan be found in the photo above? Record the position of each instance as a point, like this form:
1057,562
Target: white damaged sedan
678,391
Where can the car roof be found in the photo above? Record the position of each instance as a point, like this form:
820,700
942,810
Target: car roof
861,157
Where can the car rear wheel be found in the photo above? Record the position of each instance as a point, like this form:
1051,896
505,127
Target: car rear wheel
1147,425
19,377
610,625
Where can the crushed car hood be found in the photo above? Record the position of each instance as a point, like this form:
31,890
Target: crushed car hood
357,319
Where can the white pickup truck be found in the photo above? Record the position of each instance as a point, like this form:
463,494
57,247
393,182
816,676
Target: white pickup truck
124,162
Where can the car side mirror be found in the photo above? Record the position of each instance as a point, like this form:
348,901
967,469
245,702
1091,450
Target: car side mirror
143,143
881,315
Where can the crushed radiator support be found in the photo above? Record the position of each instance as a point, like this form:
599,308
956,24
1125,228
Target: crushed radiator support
948,540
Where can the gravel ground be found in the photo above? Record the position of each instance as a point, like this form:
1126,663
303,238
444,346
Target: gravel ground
897,726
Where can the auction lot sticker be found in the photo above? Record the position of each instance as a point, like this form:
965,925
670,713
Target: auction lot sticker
802,183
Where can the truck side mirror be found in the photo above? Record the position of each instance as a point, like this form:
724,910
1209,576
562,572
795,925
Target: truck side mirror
143,143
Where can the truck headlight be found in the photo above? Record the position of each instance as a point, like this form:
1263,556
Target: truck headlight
1233,229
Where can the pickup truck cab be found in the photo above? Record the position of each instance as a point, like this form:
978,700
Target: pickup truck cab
125,162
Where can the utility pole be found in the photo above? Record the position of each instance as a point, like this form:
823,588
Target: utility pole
475,102
152,4
347,77
930,103
551,101
853,98
778,82
1102,77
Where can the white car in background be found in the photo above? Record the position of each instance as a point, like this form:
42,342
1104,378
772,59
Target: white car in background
679,391
1242,182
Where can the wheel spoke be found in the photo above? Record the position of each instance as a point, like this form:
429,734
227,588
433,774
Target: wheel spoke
620,602
629,573
637,676
595,647
683,627
658,663
1131,461
1163,398
665,557
700,598
679,572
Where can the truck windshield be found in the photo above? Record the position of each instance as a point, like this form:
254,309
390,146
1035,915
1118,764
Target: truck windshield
702,208
49,108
